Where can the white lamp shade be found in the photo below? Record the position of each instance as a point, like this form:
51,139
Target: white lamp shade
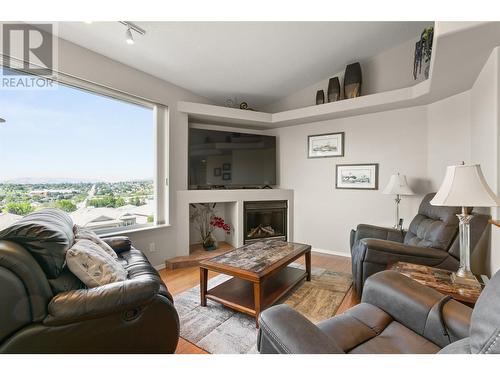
398,185
464,185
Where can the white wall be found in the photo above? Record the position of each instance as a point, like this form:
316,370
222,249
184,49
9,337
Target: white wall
389,70
85,64
397,140
448,136
485,138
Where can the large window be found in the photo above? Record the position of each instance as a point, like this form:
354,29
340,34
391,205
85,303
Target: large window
88,154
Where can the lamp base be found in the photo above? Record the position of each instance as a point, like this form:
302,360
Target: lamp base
465,278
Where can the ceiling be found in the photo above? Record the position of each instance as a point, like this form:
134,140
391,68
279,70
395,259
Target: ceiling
259,62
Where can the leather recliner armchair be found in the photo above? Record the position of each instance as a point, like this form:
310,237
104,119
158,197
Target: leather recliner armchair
396,315
432,240
46,309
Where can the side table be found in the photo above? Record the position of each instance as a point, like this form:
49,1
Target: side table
439,280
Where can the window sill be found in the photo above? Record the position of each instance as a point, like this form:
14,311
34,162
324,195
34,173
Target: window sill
133,230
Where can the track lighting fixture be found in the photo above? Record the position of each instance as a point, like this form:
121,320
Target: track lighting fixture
129,37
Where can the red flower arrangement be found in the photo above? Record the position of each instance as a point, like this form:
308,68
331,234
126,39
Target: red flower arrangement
218,222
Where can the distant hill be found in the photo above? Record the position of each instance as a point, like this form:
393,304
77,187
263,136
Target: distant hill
47,180
51,180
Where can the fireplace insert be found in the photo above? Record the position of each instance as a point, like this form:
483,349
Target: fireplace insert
265,220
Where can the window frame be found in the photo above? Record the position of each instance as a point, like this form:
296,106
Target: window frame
160,146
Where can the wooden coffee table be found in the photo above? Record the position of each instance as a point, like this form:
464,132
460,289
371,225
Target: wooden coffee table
260,275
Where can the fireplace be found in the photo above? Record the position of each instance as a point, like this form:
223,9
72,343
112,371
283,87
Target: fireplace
265,220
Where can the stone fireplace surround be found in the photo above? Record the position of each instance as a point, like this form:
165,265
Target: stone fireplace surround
235,200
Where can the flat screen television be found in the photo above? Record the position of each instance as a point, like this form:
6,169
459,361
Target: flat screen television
223,159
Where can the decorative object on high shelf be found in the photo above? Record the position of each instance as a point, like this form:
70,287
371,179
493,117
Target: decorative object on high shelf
464,186
352,81
244,105
320,97
204,217
333,93
357,176
325,145
423,52
398,186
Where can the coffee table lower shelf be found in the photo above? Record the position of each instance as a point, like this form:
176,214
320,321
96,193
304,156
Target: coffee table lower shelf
238,294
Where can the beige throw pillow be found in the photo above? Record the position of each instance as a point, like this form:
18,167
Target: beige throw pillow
85,234
92,265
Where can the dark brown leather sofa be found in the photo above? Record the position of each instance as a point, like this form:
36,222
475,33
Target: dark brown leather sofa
396,315
45,309
432,240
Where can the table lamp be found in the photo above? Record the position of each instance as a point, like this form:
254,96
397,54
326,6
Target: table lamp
398,186
465,186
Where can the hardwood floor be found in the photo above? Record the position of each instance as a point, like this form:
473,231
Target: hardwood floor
180,280
196,255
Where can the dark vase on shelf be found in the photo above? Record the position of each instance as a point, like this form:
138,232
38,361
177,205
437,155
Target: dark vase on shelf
210,243
352,81
333,89
320,97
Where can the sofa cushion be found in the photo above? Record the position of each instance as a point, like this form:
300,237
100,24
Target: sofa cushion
457,347
397,339
47,234
363,322
66,281
485,320
93,265
434,226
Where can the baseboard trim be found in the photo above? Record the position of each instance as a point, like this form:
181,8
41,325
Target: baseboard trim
332,252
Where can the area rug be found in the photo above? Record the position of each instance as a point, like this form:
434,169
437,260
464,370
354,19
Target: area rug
220,330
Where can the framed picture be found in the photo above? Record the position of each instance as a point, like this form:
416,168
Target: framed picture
226,176
325,145
217,172
226,166
356,176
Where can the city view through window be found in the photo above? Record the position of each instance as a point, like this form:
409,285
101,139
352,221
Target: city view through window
83,153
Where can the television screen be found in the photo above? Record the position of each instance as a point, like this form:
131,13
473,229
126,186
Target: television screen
228,159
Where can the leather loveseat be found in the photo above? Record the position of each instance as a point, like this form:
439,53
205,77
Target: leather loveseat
45,309
396,315
432,240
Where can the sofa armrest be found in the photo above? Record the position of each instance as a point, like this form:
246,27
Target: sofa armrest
382,251
285,331
416,306
119,243
382,233
107,299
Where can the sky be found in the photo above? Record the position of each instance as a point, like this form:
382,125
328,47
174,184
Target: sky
67,133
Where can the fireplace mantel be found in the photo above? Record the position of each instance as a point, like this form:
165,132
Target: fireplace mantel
235,196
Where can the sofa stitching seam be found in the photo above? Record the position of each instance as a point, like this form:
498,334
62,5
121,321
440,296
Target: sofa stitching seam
268,331
492,344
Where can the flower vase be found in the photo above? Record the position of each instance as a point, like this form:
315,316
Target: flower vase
210,243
